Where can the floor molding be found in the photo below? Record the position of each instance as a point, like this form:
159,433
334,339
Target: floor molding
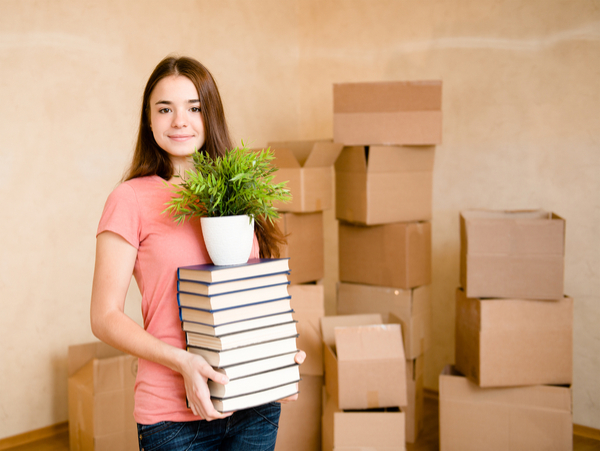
33,436
586,431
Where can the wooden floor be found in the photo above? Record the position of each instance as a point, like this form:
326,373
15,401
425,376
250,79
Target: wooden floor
428,439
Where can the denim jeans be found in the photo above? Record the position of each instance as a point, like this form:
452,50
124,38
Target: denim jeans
252,429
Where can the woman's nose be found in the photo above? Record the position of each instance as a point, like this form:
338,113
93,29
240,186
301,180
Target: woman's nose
179,120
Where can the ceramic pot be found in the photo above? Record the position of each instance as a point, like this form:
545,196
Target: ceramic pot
228,239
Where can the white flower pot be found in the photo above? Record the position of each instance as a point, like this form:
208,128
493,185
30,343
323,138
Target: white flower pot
228,239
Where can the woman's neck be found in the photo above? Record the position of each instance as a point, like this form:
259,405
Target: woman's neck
180,167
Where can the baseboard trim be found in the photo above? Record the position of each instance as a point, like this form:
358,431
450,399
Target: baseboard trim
33,436
586,431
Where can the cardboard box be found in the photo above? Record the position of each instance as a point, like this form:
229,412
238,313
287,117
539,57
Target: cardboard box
300,421
509,342
396,112
411,308
414,411
512,254
307,166
384,184
305,247
100,387
392,255
503,419
368,430
308,302
364,362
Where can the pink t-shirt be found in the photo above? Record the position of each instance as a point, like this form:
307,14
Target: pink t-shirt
134,211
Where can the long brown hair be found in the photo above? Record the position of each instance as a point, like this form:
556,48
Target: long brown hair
150,159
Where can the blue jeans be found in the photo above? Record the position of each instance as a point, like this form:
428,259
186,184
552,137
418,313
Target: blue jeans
252,429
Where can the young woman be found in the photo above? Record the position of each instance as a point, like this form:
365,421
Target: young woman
181,112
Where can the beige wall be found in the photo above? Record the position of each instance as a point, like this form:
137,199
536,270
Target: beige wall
521,106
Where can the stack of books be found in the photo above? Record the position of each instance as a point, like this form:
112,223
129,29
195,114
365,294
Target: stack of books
239,319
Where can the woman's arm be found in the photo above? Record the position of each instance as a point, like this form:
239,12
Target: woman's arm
115,259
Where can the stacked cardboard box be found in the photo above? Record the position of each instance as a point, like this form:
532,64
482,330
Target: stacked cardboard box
514,337
384,190
307,166
365,383
101,381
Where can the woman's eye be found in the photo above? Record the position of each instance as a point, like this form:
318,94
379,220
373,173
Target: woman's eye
195,109
164,110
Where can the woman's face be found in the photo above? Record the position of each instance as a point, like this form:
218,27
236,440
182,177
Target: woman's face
175,117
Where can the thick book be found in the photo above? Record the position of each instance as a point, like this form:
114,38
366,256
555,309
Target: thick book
229,315
220,359
209,289
255,399
233,299
213,273
238,339
255,382
258,366
238,326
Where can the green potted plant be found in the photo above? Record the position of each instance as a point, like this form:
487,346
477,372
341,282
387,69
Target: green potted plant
228,193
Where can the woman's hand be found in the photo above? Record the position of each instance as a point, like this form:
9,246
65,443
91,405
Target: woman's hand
300,356
196,372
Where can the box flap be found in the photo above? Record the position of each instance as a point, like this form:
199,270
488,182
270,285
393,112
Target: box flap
352,160
383,159
84,377
114,373
512,232
387,96
307,154
329,323
454,386
386,159
79,355
526,314
373,342
284,158
324,154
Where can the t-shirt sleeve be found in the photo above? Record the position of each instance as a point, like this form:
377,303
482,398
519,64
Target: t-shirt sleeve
121,215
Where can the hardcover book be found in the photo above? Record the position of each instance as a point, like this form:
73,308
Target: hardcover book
232,299
254,383
255,399
213,273
238,326
242,338
210,289
229,315
258,366
243,354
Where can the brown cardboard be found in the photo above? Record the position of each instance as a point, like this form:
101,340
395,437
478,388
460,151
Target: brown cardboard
531,418
367,368
512,254
307,166
396,112
300,421
411,308
391,255
305,246
509,342
100,386
369,430
308,303
414,412
384,184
